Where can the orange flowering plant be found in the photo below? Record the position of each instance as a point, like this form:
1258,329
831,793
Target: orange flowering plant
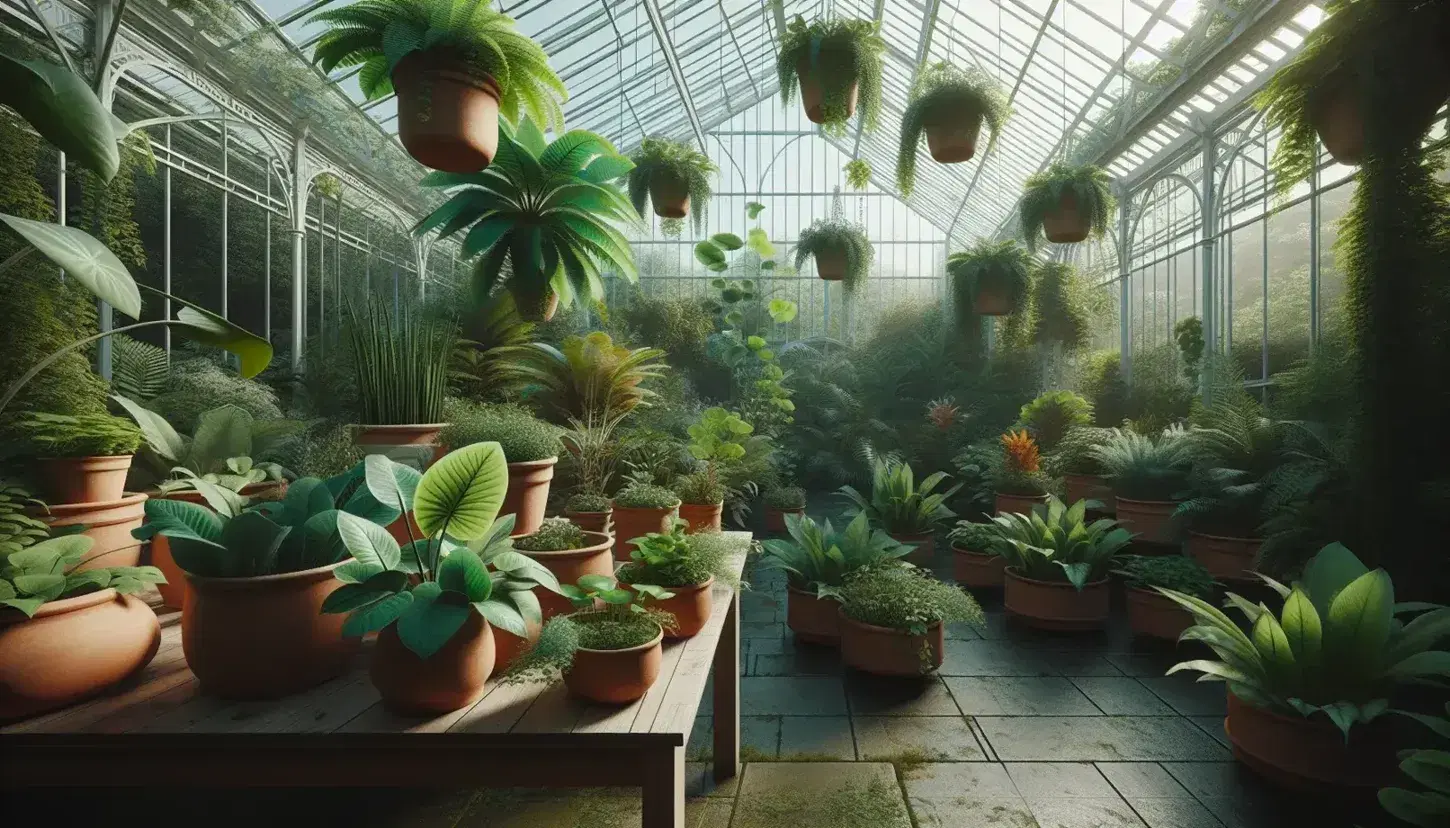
1021,472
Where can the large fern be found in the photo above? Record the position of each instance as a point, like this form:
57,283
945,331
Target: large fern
139,370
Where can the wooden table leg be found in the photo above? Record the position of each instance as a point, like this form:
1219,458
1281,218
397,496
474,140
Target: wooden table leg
727,694
664,788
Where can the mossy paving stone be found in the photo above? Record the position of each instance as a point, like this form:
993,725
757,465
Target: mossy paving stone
1098,739
820,795
966,795
792,696
893,696
584,808
816,738
1122,696
937,738
1024,696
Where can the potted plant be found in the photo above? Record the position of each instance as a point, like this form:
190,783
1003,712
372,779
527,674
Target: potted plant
1307,688
974,563
1058,564
841,250
950,105
401,361
781,501
595,454
673,176
1020,483
910,514
717,438
686,565
893,620
1429,808
1149,613
1149,477
640,508
837,63
816,561
1075,462
530,445
524,224
570,552
1052,414
68,632
609,655
1066,204
991,279
590,511
455,65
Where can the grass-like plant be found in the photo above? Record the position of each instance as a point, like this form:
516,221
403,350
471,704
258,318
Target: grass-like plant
943,92
1020,472
661,161
675,559
905,598
837,237
1052,414
1055,543
900,506
785,498
1045,191
817,558
1146,468
1002,270
553,535
523,437
401,361
1176,572
837,54
77,435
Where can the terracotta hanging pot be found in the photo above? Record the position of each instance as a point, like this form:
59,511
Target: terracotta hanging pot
691,607
447,115
264,637
615,676
669,194
813,620
534,303
981,570
528,494
1009,504
1050,605
831,264
173,592
1227,559
108,524
72,649
83,479
570,565
1152,615
813,93
1090,487
602,522
952,134
1336,112
1311,754
883,651
1065,223
923,547
1150,520
702,517
775,519
992,297
631,523
448,680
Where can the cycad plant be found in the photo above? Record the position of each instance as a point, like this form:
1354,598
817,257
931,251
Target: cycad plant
989,278
1067,204
675,176
840,249
1146,468
401,361
950,105
837,63
817,558
898,505
1056,544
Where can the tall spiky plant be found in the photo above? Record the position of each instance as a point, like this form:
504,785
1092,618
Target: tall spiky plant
402,363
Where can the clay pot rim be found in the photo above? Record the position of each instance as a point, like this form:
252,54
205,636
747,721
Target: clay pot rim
690,589
657,641
703,505
565,554
60,509
846,619
1306,722
617,508
1173,503
525,465
87,458
397,426
263,580
1011,572
49,609
1224,537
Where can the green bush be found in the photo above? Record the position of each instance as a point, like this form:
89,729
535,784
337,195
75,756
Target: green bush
973,537
1052,415
905,598
1175,572
555,535
785,498
646,496
325,450
198,385
523,437
680,560
587,502
84,435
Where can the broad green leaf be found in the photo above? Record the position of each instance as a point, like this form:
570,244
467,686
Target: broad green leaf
1429,664
159,434
48,586
1426,810
1357,627
1302,628
753,209
595,583
52,555
783,310
374,617
368,542
727,241
710,255
203,557
1333,568
64,110
201,325
760,243
89,580
754,343
463,572
83,257
253,536
431,620
25,605
390,482
501,614
355,572
221,432
349,597
462,492
1275,652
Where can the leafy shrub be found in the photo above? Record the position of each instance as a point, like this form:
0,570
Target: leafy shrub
905,598
817,558
325,450
47,571
522,436
680,560
696,488
646,496
785,498
84,435
1103,385
199,385
1020,472
1056,543
898,505
1052,415
587,502
624,622
1075,451
554,535
1176,572
1146,468
973,537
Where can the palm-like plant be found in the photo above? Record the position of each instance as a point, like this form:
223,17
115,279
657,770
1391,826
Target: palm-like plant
837,62
840,248
898,504
675,177
539,219
991,278
588,378
482,363
817,558
1146,468
949,104
1056,544
1067,204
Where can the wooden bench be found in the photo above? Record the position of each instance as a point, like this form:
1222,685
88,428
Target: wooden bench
159,730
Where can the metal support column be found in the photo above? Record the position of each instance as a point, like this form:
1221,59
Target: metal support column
1125,278
299,251
226,235
1209,207
166,245
267,264
421,247
1314,256
322,272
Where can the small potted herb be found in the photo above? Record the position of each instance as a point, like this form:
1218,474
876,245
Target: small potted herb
841,251
950,105
640,508
1149,612
781,501
686,565
1066,204
974,563
568,551
1075,462
1150,477
990,279
590,511
1020,482
908,512
837,62
673,176
893,620
530,445
595,454
716,439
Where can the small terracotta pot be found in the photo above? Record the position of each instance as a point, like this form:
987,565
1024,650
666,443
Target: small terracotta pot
409,443
1150,520
450,679
886,652
1018,504
813,93
1229,559
691,608
602,522
100,479
669,194
702,517
813,620
982,570
775,519
72,649
631,523
507,646
108,525
831,264
571,565
534,303
447,115
1310,754
528,494
1056,606
924,547
1152,615
615,676
992,298
1090,487
173,592
952,135
264,637
1065,223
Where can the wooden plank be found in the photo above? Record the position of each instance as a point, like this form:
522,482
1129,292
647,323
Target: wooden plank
500,710
321,709
553,711
682,699
141,713
726,720
664,788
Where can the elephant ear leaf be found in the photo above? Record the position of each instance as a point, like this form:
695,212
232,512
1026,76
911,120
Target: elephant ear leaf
63,109
83,258
462,492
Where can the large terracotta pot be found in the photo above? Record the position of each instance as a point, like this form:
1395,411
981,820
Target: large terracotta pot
84,479
173,592
450,679
108,524
1090,487
1150,520
1049,605
886,652
447,115
813,620
1065,223
923,547
702,517
813,93
602,522
1310,754
1152,615
507,646
265,637
691,608
72,649
775,519
669,194
528,494
977,569
992,297
952,134
415,444
631,523
1229,559
571,565
831,264
1018,504
615,676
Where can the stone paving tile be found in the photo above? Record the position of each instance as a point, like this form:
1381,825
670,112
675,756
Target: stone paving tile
1233,794
1182,812
1213,726
1141,780
1059,780
765,646
700,781
1098,739
992,658
933,738
1143,664
1189,696
966,795
1078,663
1122,696
820,795
889,696
1110,812
792,696
586,808
798,661
759,737
963,631
762,629
1037,696
815,737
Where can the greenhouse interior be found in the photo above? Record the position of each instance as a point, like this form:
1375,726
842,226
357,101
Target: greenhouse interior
725,413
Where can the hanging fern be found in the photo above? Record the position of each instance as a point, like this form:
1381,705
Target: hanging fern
1003,264
941,89
836,233
838,54
1044,191
1060,315
661,157
858,173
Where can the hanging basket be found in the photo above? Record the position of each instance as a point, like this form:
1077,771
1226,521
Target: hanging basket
831,264
813,92
951,136
1338,116
1065,223
447,116
534,304
670,195
994,296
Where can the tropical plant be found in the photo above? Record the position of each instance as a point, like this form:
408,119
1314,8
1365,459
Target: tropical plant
1052,415
1336,646
18,528
898,504
1176,572
1074,453
1003,268
1431,808
402,363
589,377
979,466
227,448
481,363
1044,191
858,173
973,537
817,558
624,622
1055,543
1146,468
698,488
905,598
523,437
785,498
553,535
49,570
837,54
646,496
680,560
837,236
943,91
716,439
377,35
1060,315
661,159
81,435
1020,472
1235,451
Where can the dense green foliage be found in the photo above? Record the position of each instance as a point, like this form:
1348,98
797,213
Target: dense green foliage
1143,467
401,360
646,496
1005,268
838,53
818,558
905,598
680,560
1045,191
1056,543
554,535
1176,572
1058,309
898,503
49,571
943,91
523,437
1052,415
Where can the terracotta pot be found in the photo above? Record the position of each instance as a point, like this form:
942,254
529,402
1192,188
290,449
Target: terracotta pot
775,519
1150,520
1018,504
507,646
992,298
72,649
1049,605
1090,487
264,637
831,264
952,135
528,494
691,608
631,523
447,115
924,547
813,620
1310,754
615,676
813,93
571,565
409,443
1153,615
602,522
534,303
886,652
1065,223
83,479
670,195
173,592
399,530
108,525
450,679
702,517
977,569
1229,559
